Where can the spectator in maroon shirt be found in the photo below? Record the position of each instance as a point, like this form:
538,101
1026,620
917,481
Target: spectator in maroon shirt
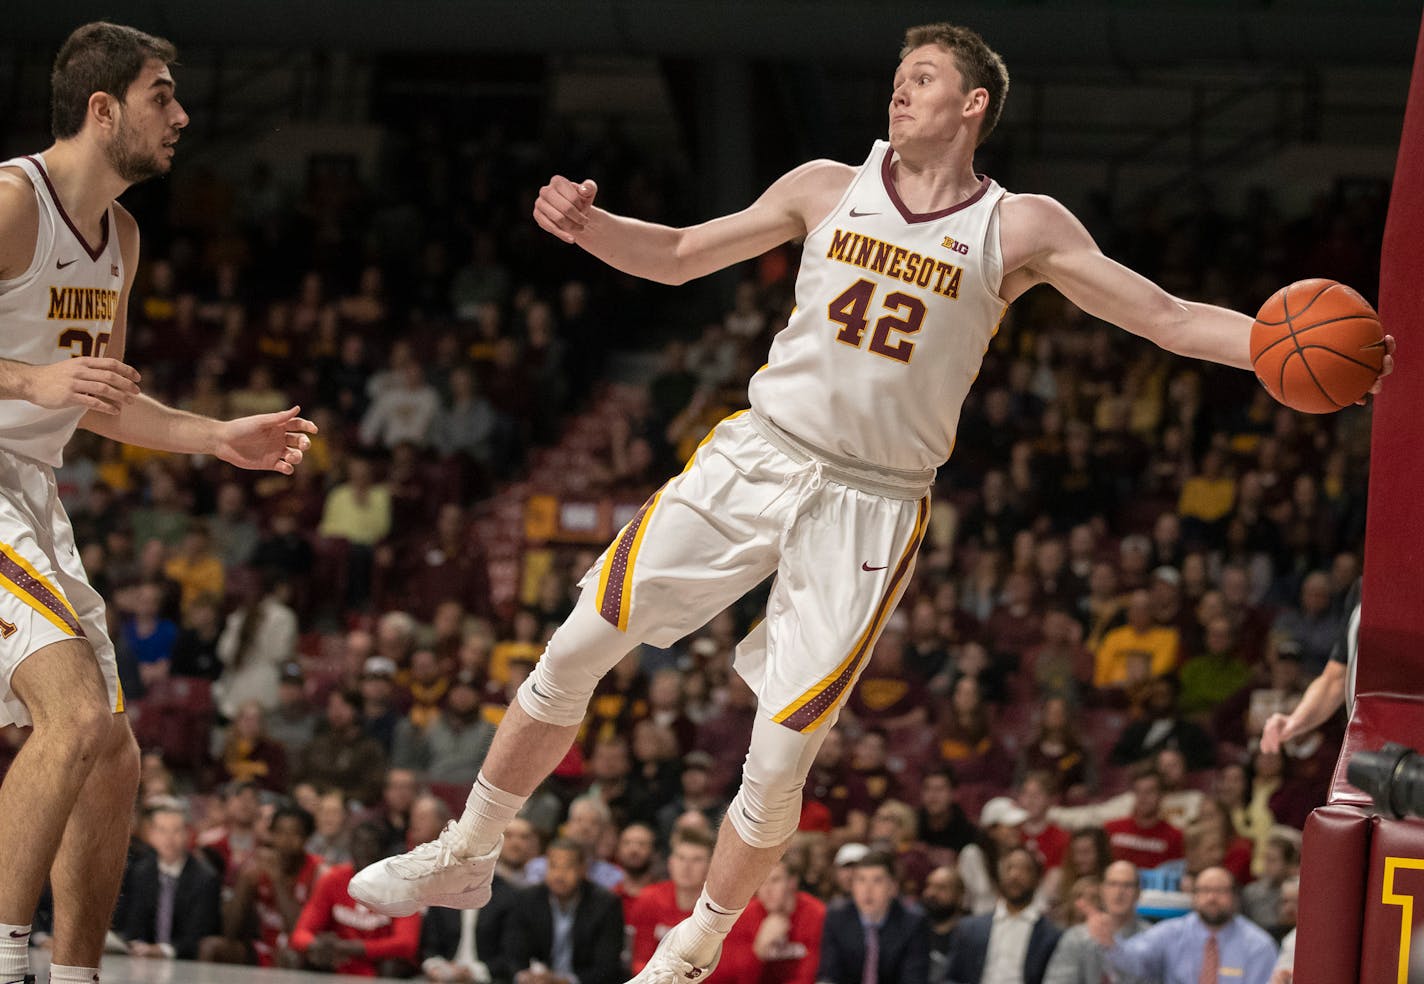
1143,837
868,778
966,740
1057,750
826,783
1015,625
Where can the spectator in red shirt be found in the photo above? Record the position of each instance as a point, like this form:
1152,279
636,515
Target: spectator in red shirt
1037,795
268,898
231,844
777,940
1143,837
662,905
637,855
339,934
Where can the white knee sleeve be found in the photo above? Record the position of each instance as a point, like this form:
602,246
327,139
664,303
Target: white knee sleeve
552,702
767,809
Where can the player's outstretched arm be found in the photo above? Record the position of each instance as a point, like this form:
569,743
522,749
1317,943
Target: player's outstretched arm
1044,243
791,207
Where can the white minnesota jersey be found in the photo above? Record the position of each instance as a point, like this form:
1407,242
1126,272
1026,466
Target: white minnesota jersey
61,307
894,312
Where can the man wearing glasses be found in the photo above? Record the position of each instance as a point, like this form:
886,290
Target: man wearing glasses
1209,945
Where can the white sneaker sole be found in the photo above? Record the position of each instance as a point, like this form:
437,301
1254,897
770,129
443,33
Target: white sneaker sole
409,907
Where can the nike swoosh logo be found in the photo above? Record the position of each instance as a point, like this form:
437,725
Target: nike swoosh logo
865,566
61,266
19,934
855,215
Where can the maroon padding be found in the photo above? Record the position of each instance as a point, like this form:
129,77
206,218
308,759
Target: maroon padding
1332,897
1377,718
1392,619
1403,841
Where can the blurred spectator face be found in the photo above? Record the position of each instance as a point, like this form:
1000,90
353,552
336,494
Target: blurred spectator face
366,847
1083,850
1049,558
1231,785
167,833
635,848
936,794
1120,890
288,838
665,690
306,797
1288,907
1055,715
1343,571
832,750
248,723
340,714
1035,798
692,820
585,824
1102,582
148,599
521,843
887,826
242,807
687,866
943,894
428,815
424,667
966,694
358,473
1214,897
1172,767
1218,636
1147,804
1235,587
1194,573
448,621
1004,835
778,892
1211,606
330,815
1162,698
376,688
565,871
1139,611
872,888
1274,866
609,761
1315,594
356,648
869,753
463,701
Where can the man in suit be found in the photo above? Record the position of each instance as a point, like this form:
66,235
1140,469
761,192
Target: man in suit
176,897
457,945
1012,944
566,929
875,938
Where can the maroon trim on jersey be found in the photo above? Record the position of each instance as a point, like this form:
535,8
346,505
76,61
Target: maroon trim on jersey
94,254
888,179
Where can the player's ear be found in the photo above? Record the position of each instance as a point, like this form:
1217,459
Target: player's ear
976,102
103,109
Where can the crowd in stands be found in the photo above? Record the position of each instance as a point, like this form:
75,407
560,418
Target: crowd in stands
1133,561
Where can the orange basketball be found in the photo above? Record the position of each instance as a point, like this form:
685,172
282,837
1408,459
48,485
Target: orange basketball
1317,346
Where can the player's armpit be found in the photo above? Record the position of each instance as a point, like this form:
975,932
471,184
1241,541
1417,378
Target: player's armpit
19,223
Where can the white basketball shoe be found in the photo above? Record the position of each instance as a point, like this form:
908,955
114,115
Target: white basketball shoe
666,967
432,874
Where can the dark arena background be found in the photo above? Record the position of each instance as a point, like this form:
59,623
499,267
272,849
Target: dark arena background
1133,559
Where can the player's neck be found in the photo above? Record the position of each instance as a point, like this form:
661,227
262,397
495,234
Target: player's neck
83,179
930,182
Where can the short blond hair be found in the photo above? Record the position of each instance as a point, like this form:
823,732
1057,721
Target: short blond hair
981,65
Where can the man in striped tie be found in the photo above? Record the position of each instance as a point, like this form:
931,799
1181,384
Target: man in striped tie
1211,944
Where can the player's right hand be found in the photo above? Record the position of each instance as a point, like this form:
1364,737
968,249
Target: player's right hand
102,385
564,208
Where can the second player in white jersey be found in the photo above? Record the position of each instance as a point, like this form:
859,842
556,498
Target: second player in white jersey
894,311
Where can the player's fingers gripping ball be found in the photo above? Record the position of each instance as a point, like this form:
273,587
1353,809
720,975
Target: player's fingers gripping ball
1317,346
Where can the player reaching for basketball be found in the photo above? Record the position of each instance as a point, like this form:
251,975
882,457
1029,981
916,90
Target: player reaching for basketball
68,253
910,261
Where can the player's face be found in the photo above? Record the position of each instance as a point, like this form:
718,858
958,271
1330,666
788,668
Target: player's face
148,122
928,99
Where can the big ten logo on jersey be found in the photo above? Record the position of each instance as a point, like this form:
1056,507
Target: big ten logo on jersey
951,243
83,304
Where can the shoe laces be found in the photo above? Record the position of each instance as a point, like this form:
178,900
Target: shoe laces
439,853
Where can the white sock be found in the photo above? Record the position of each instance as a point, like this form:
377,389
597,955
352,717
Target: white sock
14,952
487,812
73,975
706,929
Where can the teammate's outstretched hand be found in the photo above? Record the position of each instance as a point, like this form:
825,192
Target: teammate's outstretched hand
102,385
563,208
265,441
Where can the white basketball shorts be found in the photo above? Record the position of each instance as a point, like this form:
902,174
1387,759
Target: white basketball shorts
45,596
840,537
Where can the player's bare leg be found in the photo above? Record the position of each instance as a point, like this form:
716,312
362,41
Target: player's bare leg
61,687
89,865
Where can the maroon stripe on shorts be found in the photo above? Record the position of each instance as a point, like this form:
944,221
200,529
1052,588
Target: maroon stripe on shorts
613,592
40,592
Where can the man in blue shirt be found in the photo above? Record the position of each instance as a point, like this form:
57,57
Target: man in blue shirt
1209,945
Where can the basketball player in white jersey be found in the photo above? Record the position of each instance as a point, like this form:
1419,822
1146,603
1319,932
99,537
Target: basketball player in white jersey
910,261
68,253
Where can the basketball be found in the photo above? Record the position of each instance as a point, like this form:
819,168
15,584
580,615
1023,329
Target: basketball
1317,346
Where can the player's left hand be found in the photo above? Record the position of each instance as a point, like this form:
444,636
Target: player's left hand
265,441
1386,368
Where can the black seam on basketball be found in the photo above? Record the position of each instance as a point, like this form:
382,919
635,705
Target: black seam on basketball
1323,391
1302,331
1285,306
1342,355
